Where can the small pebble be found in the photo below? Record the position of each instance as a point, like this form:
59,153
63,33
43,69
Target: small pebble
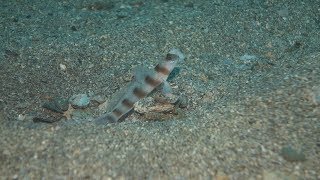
21,117
63,67
248,58
79,100
292,155
57,105
98,99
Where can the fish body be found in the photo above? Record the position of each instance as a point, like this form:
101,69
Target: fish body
144,82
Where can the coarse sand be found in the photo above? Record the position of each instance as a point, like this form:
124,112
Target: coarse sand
251,81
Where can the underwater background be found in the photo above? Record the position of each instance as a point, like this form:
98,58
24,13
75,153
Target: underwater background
249,89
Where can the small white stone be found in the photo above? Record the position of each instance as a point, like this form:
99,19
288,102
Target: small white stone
21,117
63,67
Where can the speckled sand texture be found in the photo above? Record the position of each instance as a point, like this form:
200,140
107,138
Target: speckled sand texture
251,79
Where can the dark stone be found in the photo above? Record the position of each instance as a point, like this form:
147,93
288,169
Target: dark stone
292,155
57,105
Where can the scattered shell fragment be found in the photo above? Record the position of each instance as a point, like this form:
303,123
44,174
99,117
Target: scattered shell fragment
159,108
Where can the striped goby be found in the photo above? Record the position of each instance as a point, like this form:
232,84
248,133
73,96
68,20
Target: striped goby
144,82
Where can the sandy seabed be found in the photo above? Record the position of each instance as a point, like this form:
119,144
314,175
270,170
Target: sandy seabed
251,79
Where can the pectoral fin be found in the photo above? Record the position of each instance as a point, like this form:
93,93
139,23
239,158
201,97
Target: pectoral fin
166,89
